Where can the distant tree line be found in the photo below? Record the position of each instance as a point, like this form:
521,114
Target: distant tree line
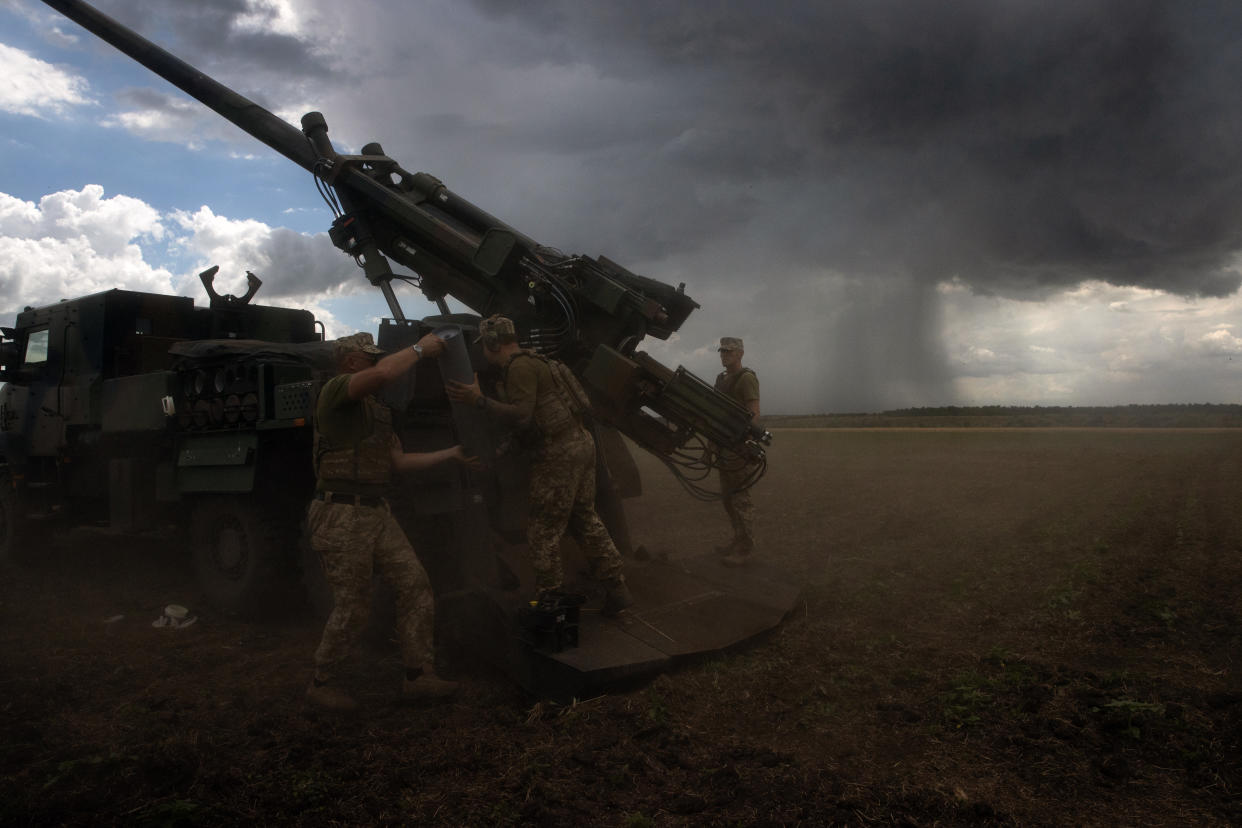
1170,415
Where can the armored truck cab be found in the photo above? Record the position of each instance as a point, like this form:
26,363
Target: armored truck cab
112,415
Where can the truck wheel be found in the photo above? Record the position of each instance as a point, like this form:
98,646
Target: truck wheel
238,552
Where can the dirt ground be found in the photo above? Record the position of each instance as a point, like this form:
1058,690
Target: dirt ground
997,627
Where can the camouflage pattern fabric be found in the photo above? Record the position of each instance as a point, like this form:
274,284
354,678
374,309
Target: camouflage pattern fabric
353,542
743,387
494,327
737,503
562,497
355,342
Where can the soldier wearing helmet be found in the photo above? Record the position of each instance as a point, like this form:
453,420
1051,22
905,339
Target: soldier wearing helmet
544,398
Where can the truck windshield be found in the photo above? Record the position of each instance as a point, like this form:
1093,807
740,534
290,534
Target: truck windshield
36,347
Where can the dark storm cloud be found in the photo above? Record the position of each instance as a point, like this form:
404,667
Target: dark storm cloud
205,34
1023,146
814,169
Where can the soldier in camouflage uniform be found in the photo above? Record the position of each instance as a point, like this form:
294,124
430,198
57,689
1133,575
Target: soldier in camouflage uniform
544,398
350,524
742,385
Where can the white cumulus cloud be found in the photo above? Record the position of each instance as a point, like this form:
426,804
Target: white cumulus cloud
74,243
77,242
293,266
36,88
1220,341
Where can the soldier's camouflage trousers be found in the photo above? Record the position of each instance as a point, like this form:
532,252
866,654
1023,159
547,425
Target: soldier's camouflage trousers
738,506
353,542
562,497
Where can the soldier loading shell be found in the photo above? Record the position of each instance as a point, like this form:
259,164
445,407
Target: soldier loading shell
351,526
544,399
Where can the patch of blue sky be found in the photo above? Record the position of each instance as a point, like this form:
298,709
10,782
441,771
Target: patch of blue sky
66,149
39,158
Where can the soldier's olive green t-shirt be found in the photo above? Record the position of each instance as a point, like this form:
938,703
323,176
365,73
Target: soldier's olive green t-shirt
745,387
337,417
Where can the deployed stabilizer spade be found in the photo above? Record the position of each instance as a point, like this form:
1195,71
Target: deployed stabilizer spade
590,313
683,609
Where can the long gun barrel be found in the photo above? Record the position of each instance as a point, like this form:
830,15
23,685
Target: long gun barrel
254,119
589,312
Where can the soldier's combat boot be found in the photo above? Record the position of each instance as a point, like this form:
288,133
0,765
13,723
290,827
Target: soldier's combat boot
327,696
420,685
617,599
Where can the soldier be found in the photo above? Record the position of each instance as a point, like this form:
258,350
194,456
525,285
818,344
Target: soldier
740,384
547,403
350,524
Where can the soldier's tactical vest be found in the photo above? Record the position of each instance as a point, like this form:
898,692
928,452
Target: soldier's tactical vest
725,382
367,459
562,409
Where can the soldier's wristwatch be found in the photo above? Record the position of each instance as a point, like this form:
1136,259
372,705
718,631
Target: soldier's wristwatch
418,349
481,402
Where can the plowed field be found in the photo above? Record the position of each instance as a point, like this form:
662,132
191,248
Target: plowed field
1035,627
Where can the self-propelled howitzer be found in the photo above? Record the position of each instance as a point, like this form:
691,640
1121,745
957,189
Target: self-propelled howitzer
469,524
591,313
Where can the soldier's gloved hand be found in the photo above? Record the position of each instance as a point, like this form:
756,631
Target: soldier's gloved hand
432,345
459,392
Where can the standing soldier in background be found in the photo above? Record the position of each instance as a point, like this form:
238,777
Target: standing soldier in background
351,527
546,402
742,385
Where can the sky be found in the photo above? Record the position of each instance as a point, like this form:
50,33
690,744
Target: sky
895,203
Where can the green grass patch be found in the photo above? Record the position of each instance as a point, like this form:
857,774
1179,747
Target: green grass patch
996,688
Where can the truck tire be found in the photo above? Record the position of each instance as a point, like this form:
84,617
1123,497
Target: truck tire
238,551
